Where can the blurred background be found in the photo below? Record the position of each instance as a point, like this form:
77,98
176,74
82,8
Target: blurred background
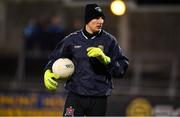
148,32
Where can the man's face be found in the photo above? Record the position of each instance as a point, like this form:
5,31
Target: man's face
95,25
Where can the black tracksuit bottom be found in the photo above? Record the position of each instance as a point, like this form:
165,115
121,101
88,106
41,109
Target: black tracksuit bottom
78,105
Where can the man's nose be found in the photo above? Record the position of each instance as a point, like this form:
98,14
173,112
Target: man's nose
101,20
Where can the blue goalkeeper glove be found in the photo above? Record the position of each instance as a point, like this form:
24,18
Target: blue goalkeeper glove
49,80
99,54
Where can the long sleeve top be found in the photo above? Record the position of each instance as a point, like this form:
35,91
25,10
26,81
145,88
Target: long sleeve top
91,77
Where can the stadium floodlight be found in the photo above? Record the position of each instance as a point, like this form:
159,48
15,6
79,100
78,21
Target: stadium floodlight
118,7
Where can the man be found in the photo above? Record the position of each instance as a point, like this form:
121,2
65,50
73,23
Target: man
97,58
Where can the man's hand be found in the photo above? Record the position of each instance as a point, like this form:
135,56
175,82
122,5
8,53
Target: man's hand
99,54
49,80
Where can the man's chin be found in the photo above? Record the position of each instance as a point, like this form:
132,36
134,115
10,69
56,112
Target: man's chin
98,29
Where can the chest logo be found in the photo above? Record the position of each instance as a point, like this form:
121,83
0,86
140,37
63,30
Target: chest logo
101,47
77,46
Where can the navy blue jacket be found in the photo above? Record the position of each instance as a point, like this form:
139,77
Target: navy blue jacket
91,77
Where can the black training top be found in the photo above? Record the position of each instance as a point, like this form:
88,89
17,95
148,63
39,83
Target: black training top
91,77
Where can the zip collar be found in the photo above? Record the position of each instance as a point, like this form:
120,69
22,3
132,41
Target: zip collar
88,35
